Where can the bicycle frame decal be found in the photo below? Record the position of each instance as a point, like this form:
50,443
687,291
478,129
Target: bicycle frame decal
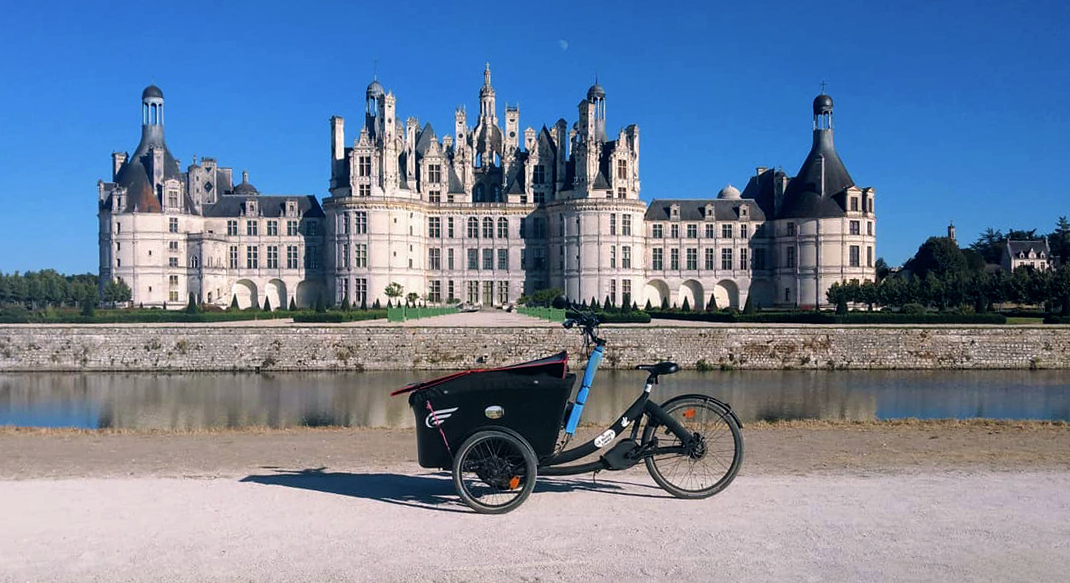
435,418
605,439
585,387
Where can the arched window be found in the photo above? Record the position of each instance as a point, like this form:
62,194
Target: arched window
503,228
473,227
488,228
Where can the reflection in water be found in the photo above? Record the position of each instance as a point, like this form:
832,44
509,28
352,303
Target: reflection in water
198,400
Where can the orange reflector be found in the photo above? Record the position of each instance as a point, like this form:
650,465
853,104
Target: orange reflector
689,413
514,482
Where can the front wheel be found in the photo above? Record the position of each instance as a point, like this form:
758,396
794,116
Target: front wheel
711,464
494,471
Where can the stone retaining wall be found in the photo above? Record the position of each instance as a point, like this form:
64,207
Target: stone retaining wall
349,347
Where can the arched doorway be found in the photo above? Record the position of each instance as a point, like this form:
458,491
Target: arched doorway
726,292
691,290
245,291
655,292
307,292
276,294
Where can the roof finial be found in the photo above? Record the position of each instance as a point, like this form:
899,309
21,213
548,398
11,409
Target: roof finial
375,68
486,75
823,87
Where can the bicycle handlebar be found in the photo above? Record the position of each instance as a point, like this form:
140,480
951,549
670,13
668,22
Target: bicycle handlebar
582,316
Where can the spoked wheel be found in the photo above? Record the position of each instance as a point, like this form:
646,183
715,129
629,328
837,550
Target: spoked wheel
494,472
710,464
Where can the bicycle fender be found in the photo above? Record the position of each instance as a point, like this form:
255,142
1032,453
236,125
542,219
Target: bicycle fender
723,404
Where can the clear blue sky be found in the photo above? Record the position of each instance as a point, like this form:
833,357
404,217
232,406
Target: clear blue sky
951,110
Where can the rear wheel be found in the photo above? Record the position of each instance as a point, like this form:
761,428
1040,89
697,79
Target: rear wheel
494,472
710,464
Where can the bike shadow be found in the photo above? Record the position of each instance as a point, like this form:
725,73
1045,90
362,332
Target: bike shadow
432,491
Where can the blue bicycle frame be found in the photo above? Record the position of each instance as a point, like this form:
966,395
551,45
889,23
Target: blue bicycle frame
585,387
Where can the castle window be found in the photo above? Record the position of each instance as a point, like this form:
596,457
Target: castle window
743,231
869,256
473,228
692,231
273,227
434,259
612,223
503,228
855,227
434,196
711,258
503,259
790,255
658,231
854,203
251,228
434,173
692,259
726,258
488,228
626,288
622,169
488,259
656,259
473,259
312,229
172,261
622,192
791,229
172,198
273,256
291,227
854,256
869,228
726,231
362,255
613,292
538,176
613,256
710,232
674,231
364,166
172,225
232,228
626,225
626,257
345,256
291,257
233,256
743,259
674,259
434,227
364,190
172,246
118,228
252,257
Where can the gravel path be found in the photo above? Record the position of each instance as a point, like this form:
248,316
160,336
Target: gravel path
397,526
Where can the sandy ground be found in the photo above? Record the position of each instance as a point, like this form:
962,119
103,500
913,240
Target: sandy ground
814,502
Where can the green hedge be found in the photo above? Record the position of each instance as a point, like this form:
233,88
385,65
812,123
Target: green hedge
1057,320
69,316
831,318
623,317
333,317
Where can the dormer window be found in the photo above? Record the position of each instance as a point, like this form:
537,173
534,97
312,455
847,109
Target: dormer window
291,208
743,212
250,207
709,213
674,212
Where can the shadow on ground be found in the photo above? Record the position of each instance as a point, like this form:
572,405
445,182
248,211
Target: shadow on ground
431,491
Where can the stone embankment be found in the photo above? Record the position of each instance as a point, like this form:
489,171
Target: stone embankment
155,348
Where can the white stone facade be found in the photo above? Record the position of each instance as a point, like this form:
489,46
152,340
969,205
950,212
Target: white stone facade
484,215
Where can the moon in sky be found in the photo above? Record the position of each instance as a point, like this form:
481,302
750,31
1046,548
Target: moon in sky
563,44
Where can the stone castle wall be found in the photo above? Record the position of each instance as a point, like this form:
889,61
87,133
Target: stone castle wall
347,347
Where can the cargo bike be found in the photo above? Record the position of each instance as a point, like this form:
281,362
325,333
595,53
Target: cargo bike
497,429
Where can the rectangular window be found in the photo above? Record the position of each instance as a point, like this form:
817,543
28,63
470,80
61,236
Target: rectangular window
434,259
449,259
273,257
312,257
313,229
613,256
711,257
449,290
488,259
790,254
538,176
362,255
626,225
488,292
345,255
172,280
473,292
869,256
291,257
473,259
759,259
364,190
657,231
791,229
726,258
291,228
622,169
360,223
626,257
743,231
251,228
503,228
361,292
172,261
171,246
743,259
435,292
434,227
622,192
674,259
856,227
434,173
449,227
364,166
232,228
656,257
172,225
710,231
674,231
488,228
345,224
612,223
273,227
854,256
540,197
172,296
726,231
434,196
473,228
854,203
343,289
503,259
503,292
613,292
252,257
692,231
626,290
692,259
233,257
869,228
523,259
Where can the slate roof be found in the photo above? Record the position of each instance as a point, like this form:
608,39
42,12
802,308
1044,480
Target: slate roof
232,205
695,209
134,175
812,193
1014,248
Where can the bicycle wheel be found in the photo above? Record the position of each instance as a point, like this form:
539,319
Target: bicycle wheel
494,472
711,465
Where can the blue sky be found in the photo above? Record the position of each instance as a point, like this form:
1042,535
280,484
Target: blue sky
951,110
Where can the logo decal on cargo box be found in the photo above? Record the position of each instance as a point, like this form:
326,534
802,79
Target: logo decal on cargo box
604,439
435,418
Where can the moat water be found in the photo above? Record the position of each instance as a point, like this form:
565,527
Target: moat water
201,400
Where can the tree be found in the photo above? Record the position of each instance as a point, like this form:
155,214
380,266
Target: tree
234,302
321,305
607,305
89,302
393,291
939,255
626,302
293,305
345,304
411,298
1060,288
377,305
711,306
882,269
990,245
267,304
364,303
1059,241
191,307
837,294
687,305
665,303
748,306
647,307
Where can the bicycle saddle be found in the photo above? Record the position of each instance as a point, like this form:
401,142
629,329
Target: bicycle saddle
659,368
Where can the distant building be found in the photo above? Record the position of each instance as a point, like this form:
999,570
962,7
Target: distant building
1034,254
483,214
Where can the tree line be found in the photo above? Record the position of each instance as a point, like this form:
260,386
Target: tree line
49,288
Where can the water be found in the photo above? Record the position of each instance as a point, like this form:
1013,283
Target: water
199,400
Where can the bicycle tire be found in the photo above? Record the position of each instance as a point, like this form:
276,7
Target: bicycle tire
721,437
494,471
